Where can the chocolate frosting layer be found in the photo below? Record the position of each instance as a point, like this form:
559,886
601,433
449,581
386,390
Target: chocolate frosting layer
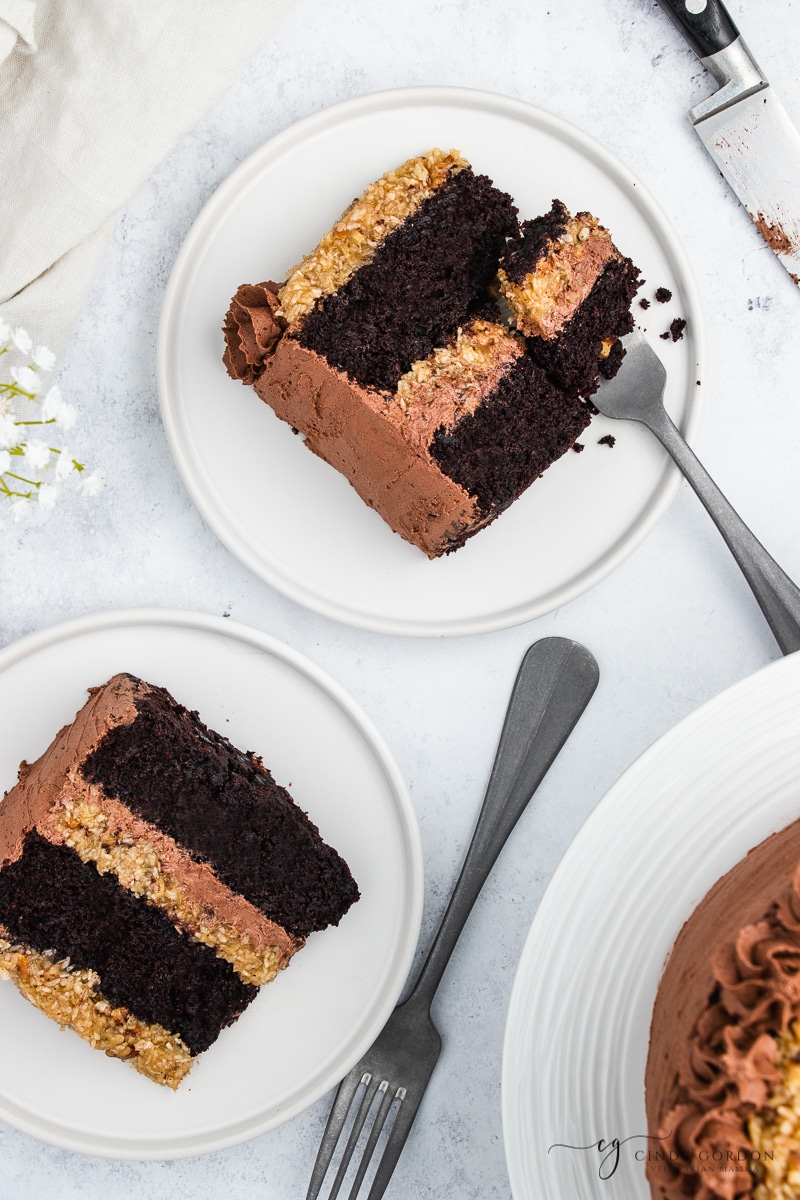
361,432
730,987
25,806
253,327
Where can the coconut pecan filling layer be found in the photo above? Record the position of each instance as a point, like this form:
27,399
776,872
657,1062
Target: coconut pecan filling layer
137,865
479,351
355,237
775,1129
73,999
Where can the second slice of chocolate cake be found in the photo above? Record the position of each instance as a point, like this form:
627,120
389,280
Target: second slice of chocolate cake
152,876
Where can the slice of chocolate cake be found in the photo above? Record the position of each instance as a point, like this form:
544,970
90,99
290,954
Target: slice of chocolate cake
385,351
570,292
152,876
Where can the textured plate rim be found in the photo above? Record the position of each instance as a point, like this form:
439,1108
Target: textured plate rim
778,681
191,473
186,1146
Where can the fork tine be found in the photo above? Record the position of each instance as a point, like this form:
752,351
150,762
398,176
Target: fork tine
358,1124
397,1139
375,1133
336,1119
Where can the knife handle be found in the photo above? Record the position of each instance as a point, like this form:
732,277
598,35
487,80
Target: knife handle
708,30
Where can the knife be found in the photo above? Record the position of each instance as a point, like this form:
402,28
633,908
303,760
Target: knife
744,127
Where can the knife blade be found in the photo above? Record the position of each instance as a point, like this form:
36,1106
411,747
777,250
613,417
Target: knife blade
745,128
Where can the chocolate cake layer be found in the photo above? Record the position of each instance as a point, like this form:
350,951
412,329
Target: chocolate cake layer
224,807
414,293
352,241
498,450
52,901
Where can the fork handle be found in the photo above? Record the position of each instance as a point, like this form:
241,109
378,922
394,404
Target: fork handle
777,595
555,682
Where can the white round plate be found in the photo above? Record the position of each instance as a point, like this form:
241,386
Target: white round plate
305,1030
578,1024
293,519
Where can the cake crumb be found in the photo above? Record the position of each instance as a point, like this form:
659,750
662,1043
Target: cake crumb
644,302
608,440
663,295
676,329
578,447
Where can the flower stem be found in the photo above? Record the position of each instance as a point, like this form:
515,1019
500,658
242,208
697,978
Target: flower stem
5,490
21,478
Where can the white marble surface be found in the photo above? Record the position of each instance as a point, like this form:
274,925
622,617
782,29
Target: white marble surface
670,628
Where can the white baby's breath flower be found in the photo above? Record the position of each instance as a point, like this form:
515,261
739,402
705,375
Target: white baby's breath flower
66,415
27,379
44,358
65,464
55,408
32,468
90,485
37,454
51,403
9,432
21,340
48,495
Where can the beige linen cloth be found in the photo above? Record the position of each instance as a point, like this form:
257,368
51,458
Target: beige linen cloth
93,96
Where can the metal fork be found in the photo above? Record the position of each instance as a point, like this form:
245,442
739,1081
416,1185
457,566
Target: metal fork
636,393
554,684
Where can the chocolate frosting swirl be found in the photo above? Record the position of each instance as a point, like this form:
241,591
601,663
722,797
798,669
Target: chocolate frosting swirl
253,327
731,986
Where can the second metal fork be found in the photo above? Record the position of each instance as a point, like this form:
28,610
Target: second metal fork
555,683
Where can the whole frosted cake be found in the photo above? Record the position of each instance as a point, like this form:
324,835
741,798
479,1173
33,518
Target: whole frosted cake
723,1069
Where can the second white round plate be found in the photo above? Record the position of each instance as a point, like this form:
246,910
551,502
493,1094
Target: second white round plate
305,1030
578,1024
294,520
